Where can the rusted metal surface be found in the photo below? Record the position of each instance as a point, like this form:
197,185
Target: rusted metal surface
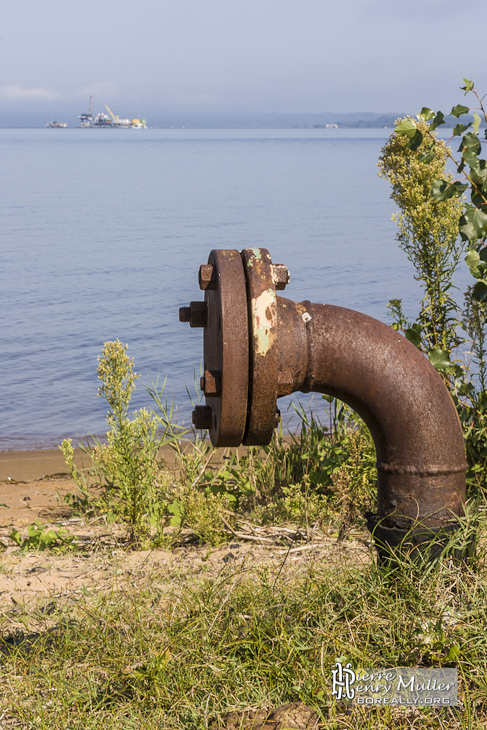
314,347
226,349
211,383
207,277
402,399
280,276
262,309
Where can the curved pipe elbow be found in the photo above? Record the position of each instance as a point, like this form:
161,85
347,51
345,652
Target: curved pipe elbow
397,392
258,346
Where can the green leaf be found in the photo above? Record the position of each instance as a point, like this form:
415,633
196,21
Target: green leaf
479,175
442,190
437,121
413,336
466,389
468,86
470,142
471,159
476,123
479,292
458,110
472,259
415,141
454,653
16,537
467,230
176,508
459,188
457,370
460,129
473,224
406,127
426,114
440,359
479,219
477,199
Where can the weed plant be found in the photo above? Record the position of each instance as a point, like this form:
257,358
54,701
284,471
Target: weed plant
126,469
40,537
323,473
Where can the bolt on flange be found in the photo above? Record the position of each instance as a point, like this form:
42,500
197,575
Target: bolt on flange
202,418
196,314
210,383
280,276
207,277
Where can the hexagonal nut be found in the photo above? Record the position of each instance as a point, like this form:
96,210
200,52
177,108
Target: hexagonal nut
198,314
202,418
207,277
280,276
285,383
211,382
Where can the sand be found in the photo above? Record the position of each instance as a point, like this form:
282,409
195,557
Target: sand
30,482
32,486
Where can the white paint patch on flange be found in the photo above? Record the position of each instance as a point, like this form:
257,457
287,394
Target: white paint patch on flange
264,311
306,317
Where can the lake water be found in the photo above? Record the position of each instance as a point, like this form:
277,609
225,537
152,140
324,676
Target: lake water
103,233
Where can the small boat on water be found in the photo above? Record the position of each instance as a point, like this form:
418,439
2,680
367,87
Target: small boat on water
57,125
112,121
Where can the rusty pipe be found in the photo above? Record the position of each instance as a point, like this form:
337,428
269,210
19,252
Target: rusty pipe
397,392
259,347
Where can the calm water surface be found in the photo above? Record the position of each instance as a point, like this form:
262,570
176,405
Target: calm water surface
104,230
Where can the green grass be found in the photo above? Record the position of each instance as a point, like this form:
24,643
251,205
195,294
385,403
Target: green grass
180,653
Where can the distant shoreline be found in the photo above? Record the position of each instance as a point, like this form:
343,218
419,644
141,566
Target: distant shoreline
223,120
289,122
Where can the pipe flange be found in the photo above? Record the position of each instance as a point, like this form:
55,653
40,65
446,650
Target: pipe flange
226,348
262,313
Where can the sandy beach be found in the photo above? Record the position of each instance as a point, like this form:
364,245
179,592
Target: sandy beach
30,482
27,466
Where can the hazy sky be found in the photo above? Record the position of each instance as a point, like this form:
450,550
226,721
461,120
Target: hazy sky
239,55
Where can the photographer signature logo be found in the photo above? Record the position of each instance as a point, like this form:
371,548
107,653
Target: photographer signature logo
343,678
395,686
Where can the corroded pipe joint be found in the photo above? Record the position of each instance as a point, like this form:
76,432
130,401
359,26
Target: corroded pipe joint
259,347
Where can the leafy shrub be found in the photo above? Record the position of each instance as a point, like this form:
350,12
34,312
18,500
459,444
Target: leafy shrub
437,224
126,468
